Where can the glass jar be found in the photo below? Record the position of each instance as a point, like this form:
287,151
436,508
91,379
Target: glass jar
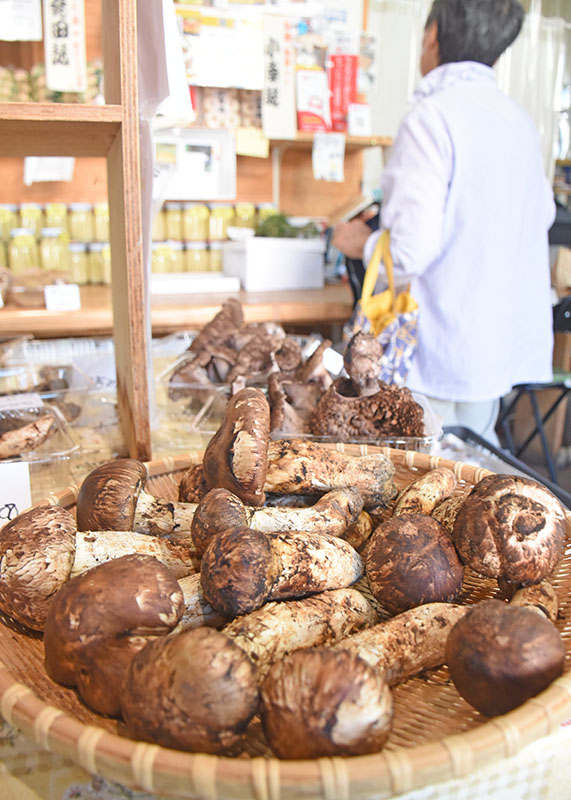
80,221
8,220
56,215
245,215
264,211
158,230
78,262
22,250
195,221
53,253
101,222
99,270
3,255
161,257
178,257
221,216
32,218
197,257
173,221
216,260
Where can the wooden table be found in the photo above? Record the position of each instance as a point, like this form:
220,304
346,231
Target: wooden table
329,306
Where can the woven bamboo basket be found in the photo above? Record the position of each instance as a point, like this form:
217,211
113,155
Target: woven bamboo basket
436,735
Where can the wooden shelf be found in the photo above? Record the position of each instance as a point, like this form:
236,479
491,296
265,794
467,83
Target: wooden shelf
331,305
303,140
58,129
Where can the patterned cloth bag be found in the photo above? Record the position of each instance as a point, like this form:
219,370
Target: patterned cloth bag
392,318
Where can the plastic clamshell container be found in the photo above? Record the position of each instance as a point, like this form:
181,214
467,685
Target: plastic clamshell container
46,380
271,264
49,462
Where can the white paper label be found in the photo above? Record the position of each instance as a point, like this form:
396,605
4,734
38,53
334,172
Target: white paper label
328,156
359,119
48,168
64,45
15,490
62,297
278,95
21,20
11,402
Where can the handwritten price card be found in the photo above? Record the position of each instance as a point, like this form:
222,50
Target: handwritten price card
15,490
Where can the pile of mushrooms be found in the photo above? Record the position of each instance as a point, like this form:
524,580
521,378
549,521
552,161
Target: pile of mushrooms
188,619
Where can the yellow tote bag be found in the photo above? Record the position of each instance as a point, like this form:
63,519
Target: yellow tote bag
391,317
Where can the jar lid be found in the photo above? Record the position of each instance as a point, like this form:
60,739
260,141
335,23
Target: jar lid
9,206
80,206
30,206
78,247
196,245
174,204
50,232
175,244
214,245
96,247
21,232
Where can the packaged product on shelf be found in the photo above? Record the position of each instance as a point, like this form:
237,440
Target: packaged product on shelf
8,220
178,259
22,251
80,221
197,257
101,222
53,249
78,263
22,90
6,85
158,229
195,222
32,217
216,256
56,215
3,255
99,262
173,221
221,216
161,257
221,108
245,215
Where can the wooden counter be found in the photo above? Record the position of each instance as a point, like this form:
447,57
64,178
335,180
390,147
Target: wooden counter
319,307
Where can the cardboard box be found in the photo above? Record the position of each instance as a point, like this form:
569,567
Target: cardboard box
271,264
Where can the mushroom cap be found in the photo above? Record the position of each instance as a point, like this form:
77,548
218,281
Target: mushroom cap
108,496
411,561
362,359
498,656
237,571
323,702
193,691
220,510
100,618
236,458
37,550
192,487
510,527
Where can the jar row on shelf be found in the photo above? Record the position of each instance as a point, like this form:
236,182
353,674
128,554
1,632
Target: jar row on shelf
81,262
173,256
83,222
185,222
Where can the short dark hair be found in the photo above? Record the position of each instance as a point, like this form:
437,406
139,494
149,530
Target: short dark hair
475,30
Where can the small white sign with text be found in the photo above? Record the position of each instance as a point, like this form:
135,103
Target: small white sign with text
15,490
62,297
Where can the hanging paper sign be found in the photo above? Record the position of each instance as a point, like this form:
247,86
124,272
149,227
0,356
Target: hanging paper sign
21,20
64,45
278,94
15,490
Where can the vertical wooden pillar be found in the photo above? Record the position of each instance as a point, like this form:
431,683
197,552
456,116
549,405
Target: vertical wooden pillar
124,189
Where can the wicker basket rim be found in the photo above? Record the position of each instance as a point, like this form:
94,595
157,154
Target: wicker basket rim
173,773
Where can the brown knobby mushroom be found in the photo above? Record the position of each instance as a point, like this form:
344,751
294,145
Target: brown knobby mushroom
101,618
362,361
242,569
236,456
270,633
510,527
410,561
26,436
221,510
113,497
41,549
196,691
321,702
500,655
192,486
423,494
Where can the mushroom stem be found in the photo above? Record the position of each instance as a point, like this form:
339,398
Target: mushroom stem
96,547
198,612
298,466
159,517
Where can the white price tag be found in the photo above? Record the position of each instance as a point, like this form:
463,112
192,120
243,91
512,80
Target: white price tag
62,297
10,402
15,490
359,120
328,156
64,45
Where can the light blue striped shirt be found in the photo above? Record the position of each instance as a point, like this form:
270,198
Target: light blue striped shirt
468,205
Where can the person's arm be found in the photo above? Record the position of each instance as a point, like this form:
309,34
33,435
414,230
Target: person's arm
415,188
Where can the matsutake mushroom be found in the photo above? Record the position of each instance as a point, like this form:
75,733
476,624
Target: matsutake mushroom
26,436
422,495
41,549
101,618
112,497
242,568
220,510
